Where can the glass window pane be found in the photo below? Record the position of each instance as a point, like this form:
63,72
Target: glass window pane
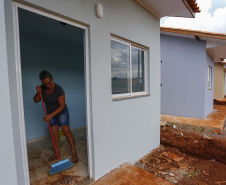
209,77
120,56
137,70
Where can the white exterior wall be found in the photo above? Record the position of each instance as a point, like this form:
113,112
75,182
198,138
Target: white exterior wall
8,169
122,130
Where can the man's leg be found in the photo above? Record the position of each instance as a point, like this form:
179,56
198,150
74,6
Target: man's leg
71,140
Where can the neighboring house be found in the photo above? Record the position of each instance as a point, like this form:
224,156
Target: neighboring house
90,56
219,80
187,71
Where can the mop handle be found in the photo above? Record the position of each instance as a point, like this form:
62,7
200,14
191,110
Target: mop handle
49,127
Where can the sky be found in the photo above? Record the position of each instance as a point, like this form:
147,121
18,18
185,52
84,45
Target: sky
212,17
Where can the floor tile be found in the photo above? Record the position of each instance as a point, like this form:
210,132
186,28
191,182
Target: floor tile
83,131
79,169
40,151
85,160
65,147
43,146
79,135
81,148
38,172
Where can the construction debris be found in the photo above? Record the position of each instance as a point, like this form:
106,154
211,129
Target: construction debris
172,156
182,169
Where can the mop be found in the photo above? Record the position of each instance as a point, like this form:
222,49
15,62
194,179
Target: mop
61,165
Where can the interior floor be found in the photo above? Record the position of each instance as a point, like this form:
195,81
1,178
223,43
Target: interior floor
40,151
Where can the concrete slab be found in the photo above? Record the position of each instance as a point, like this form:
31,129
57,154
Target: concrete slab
220,101
214,122
128,174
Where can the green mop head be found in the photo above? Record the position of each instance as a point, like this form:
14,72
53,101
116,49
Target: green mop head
61,166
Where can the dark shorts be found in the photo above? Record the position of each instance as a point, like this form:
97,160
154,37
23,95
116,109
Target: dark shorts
61,119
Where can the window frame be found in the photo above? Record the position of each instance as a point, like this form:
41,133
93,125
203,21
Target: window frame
209,78
145,50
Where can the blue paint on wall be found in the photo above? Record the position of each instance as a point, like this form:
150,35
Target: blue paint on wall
184,77
62,57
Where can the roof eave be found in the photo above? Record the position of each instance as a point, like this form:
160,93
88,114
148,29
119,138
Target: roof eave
177,8
194,32
149,9
216,42
189,8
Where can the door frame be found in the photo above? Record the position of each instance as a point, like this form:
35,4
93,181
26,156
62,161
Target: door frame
87,69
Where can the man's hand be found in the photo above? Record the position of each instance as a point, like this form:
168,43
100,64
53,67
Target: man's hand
38,89
47,117
37,97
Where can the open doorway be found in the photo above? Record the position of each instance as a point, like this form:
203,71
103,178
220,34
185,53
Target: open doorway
59,47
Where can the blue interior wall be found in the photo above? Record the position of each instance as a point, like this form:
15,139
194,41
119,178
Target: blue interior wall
209,92
183,79
65,61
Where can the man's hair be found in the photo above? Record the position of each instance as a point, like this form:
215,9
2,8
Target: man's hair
45,74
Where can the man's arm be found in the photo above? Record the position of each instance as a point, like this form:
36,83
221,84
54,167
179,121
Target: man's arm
37,97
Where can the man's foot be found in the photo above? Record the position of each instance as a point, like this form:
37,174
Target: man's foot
74,159
53,158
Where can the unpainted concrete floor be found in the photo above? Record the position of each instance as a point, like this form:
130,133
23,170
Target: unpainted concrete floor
39,167
214,121
128,174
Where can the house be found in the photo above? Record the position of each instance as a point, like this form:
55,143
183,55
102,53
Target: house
86,45
189,59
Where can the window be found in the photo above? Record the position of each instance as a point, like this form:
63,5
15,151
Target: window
209,77
127,69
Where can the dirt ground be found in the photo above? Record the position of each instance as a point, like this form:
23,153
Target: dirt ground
187,158
190,170
208,145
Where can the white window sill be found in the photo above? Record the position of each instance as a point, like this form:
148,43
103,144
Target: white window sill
129,97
